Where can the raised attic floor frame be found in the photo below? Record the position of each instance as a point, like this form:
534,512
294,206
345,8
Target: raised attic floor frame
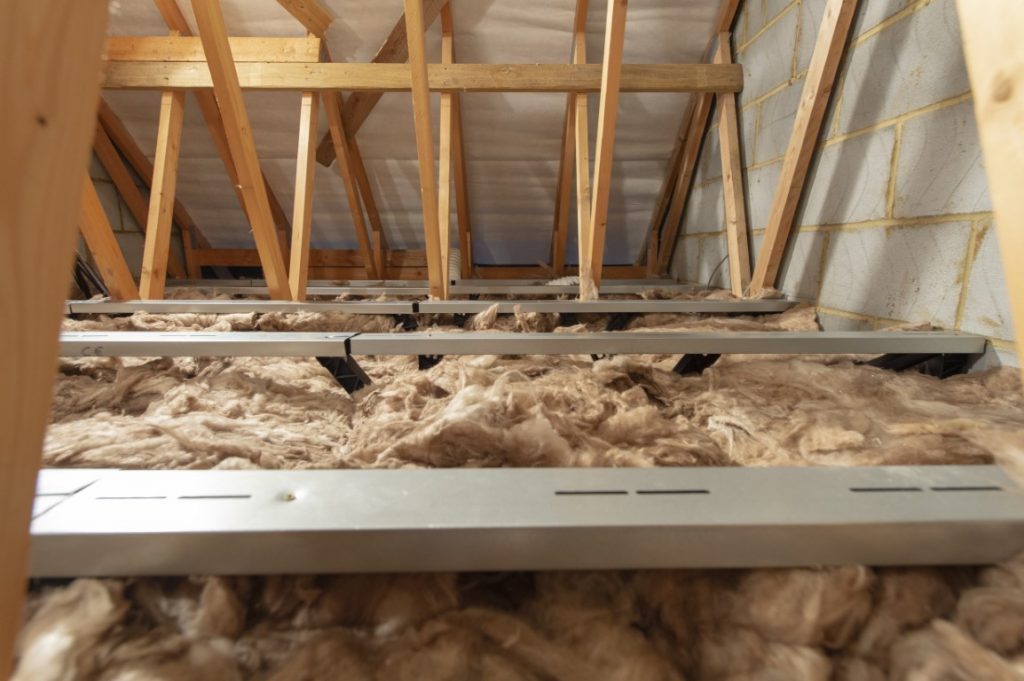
84,520
78,531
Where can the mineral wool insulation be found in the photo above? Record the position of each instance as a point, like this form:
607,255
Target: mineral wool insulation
853,623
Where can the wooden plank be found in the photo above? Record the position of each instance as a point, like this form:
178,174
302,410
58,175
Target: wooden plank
302,215
190,48
584,236
176,22
380,244
161,199
444,163
684,178
310,14
732,180
439,77
563,190
102,244
424,143
142,166
130,193
249,257
243,148
337,131
614,36
541,272
727,11
995,64
358,106
810,114
50,50
461,191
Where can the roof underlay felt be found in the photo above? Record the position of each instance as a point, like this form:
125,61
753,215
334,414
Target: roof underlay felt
512,141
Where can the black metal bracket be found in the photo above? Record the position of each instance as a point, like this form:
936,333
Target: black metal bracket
407,321
937,365
346,371
692,365
427,361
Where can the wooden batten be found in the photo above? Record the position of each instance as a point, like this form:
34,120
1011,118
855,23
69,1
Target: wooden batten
810,114
732,180
160,219
417,71
611,72
103,246
302,214
240,142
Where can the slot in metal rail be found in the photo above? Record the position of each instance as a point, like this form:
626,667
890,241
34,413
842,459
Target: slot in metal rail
403,307
124,523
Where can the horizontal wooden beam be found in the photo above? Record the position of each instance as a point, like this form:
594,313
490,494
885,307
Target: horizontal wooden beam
541,272
190,49
248,257
441,77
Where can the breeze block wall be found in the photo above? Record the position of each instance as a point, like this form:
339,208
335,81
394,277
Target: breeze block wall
896,223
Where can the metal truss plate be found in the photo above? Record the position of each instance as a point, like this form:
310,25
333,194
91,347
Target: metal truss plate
308,344
273,522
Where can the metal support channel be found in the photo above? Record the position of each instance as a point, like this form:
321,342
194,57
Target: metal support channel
618,343
286,522
396,307
609,306
313,291
432,306
309,344
246,288
203,344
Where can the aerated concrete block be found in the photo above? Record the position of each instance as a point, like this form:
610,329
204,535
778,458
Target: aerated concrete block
705,210
777,115
916,62
870,13
800,272
761,184
910,273
940,169
768,61
848,181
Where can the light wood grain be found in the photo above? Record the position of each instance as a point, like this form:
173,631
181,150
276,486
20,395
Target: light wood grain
46,126
337,131
698,123
176,22
310,14
611,70
424,144
440,77
810,113
581,126
394,50
130,193
732,180
190,48
444,163
302,213
240,141
160,219
995,64
103,245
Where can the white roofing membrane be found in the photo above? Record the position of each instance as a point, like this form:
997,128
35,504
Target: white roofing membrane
512,141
